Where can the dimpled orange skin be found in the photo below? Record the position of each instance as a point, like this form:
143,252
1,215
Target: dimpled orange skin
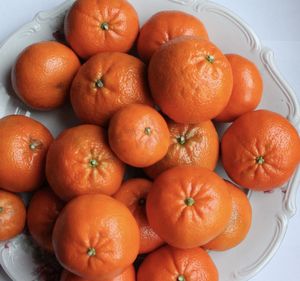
247,88
23,147
43,74
165,26
239,224
188,206
94,26
106,83
127,275
171,264
80,161
43,210
192,145
190,79
133,193
260,150
96,237
12,215
139,135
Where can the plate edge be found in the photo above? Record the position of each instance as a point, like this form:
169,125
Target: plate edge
267,57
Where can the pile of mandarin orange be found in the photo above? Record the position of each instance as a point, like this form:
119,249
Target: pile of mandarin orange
151,111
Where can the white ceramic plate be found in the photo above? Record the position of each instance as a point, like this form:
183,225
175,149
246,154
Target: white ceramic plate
271,211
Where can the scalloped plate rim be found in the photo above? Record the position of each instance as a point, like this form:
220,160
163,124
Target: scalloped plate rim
270,61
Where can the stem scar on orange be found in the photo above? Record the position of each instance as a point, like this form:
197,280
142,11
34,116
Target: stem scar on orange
80,161
93,26
96,237
106,83
188,206
190,144
171,264
260,150
23,148
139,135
190,79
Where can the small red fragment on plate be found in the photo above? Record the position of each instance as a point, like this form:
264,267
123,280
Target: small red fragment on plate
269,191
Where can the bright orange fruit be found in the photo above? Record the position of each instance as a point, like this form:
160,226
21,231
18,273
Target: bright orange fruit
190,79
23,148
247,88
106,83
43,73
188,206
96,237
93,26
12,215
171,264
43,210
260,150
191,145
139,135
80,161
165,26
239,224
133,193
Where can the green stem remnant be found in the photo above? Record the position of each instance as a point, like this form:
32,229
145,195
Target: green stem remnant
148,131
180,278
181,140
104,26
99,83
1,209
34,144
94,163
91,252
210,58
260,160
189,201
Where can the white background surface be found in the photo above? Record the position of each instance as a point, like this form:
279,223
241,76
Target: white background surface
277,23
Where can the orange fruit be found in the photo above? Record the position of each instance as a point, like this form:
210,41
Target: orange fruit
23,147
93,26
192,145
188,206
138,135
133,194
190,79
43,210
106,83
12,215
239,224
165,26
96,237
260,150
127,275
43,73
171,264
247,88
80,161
